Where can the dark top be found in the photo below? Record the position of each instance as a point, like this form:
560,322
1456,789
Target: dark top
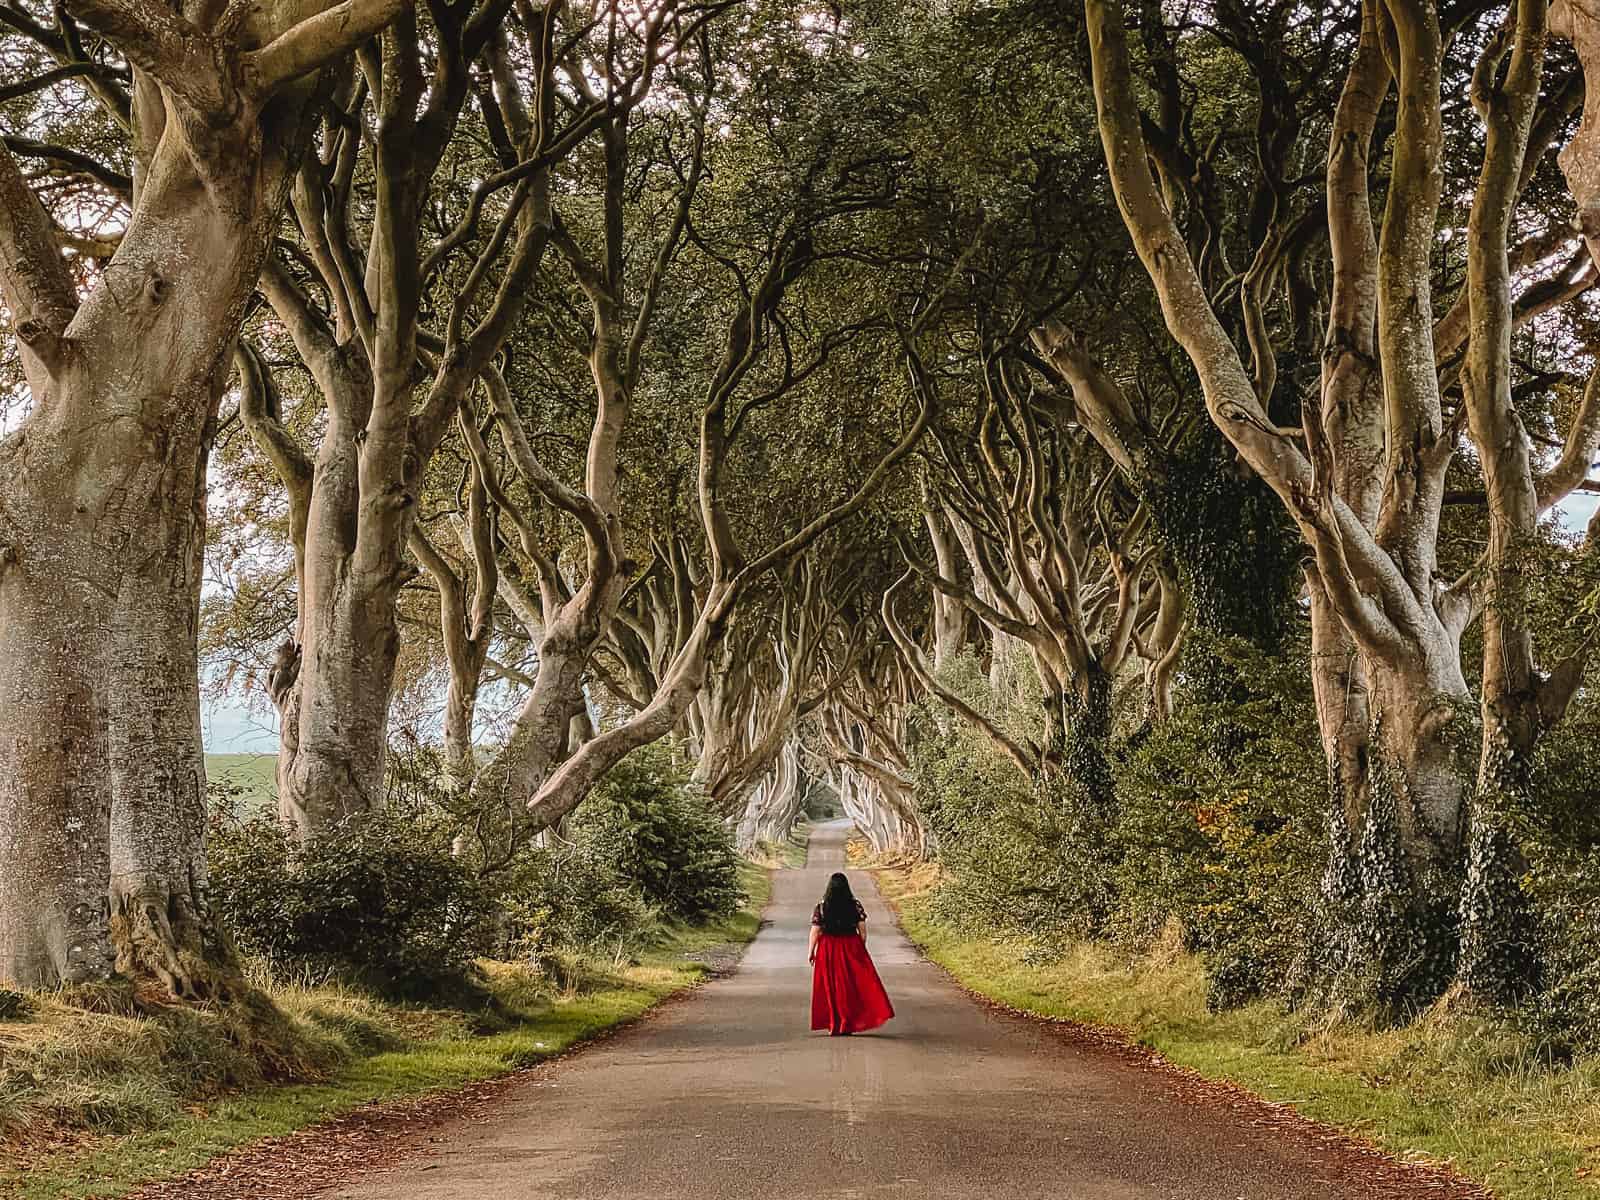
816,919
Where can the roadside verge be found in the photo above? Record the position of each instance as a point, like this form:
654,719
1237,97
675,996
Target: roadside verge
1450,1089
441,1072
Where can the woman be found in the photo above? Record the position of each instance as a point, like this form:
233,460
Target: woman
846,994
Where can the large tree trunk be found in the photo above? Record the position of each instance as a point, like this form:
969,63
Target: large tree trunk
539,740
1366,492
102,790
334,716
720,715
384,423
1498,956
1399,932
55,794
101,776
160,920
1400,766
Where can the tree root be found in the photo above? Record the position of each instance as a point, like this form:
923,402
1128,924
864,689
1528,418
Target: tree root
166,952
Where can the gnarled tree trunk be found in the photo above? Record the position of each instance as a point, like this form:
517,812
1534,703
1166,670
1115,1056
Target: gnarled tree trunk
389,407
102,507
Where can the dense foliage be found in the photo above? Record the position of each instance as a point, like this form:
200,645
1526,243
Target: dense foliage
646,851
1221,822
569,899
1216,830
647,823
1220,839
391,902
384,900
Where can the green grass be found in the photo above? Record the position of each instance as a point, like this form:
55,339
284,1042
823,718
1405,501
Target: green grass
789,854
378,1052
254,774
1449,1087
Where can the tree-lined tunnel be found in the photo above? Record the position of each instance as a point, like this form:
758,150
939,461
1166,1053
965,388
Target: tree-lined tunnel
1131,460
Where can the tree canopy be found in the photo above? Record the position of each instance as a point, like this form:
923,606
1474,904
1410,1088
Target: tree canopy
978,412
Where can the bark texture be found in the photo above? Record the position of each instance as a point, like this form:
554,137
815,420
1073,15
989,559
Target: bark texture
102,508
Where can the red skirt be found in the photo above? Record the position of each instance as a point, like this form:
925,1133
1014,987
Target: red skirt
846,994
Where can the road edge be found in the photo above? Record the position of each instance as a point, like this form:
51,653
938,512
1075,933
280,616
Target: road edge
1405,1179
381,1133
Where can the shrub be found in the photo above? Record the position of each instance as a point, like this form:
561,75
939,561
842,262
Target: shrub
1014,852
569,898
1566,1015
380,898
1021,856
1565,1012
1222,821
1216,823
1560,834
655,831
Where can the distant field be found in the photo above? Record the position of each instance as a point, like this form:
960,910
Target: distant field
252,772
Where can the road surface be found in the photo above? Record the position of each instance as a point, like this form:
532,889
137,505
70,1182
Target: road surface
728,1096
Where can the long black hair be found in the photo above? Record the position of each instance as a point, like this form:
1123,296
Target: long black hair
840,912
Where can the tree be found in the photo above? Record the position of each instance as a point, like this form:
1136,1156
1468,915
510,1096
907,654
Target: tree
864,733
727,320
353,506
1058,572
623,301
101,777
1363,476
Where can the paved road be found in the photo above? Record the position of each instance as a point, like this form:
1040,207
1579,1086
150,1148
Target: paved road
727,1096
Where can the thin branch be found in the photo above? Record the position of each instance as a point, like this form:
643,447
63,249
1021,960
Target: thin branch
259,410
914,658
1583,438
73,160
38,83
515,437
814,529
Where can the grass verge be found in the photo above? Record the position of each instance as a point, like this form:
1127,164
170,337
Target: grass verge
1448,1088
789,854
96,1104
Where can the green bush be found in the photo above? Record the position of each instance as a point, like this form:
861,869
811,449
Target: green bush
1014,858
1560,835
648,824
1222,821
381,899
1216,823
1020,855
1566,1014
568,898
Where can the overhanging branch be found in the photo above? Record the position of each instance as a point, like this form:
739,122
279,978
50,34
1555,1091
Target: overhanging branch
318,41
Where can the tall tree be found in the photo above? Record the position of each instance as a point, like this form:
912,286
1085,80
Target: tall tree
393,387
1363,476
102,790
726,320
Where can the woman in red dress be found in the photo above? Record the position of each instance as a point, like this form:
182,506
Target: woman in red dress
846,994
